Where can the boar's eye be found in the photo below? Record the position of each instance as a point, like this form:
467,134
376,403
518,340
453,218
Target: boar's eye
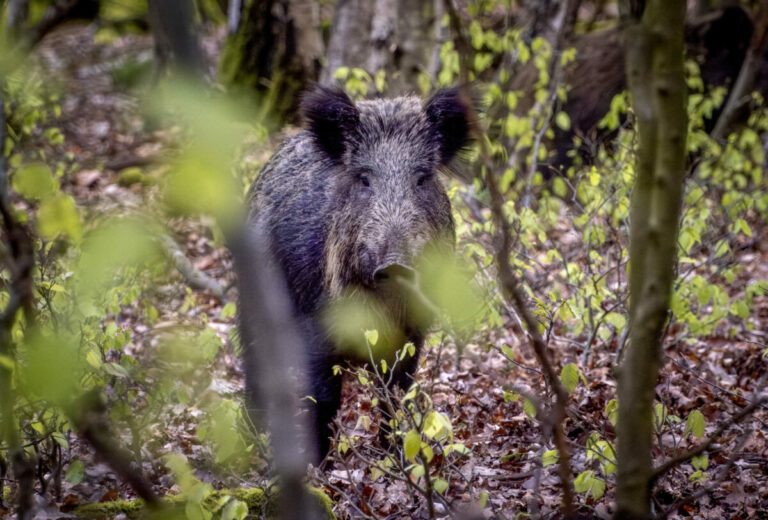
364,180
423,178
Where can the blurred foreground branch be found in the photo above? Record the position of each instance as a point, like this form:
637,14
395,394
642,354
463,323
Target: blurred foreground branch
19,256
272,347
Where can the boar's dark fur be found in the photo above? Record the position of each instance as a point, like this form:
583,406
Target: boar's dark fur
348,202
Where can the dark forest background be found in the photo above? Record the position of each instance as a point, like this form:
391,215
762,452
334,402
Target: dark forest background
602,352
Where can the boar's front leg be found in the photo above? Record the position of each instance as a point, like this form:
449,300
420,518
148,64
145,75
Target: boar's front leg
325,388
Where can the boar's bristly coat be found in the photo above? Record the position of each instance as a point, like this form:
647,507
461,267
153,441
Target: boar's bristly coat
349,205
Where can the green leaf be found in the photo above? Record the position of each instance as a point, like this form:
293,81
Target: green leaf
60,439
695,424
559,187
697,476
529,408
7,362
458,448
440,485
372,337
437,425
34,181
562,121
660,414
116,370
58,216
612,411
744,227
586,482
235,510
341,73
700,462
229,310
412,444
569,376
549,458
617,320
364,422
75,472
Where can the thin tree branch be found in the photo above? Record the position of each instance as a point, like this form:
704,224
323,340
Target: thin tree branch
722,474
194,277
509,284
704,445
92,426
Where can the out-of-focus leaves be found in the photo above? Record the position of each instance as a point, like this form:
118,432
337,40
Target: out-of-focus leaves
695,424
34,181
75,472
58,216
52,368
107,249
449,285
201,179
550,457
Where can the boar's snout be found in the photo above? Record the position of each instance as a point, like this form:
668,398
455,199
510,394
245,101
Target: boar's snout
391,271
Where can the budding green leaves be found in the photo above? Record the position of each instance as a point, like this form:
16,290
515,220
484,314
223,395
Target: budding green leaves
588,483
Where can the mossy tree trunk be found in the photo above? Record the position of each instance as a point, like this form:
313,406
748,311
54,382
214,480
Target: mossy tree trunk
272,56
654,47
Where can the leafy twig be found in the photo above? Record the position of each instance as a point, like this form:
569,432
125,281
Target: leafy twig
509,284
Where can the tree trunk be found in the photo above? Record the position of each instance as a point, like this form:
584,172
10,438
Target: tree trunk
739,96
412,48
172,23
272,56
383,34
349,41
18,11
393,36
441,33
654,47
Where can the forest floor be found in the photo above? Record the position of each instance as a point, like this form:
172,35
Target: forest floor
109,143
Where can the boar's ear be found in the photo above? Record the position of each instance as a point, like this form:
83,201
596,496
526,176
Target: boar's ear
448,117
330,117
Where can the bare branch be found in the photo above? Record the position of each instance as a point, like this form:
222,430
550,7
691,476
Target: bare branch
704,445
194,277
